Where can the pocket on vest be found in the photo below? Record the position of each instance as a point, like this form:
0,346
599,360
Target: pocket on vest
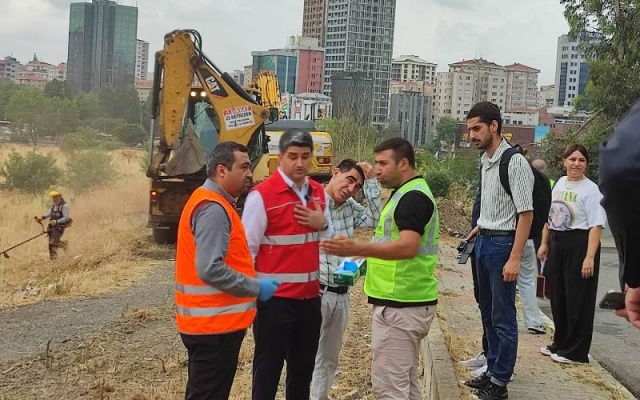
381,275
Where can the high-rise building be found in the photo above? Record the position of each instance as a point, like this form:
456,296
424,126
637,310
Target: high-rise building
410,111
522,87
359,38
572,70
102,45
9,69
142,59
313,20
298,66
412,68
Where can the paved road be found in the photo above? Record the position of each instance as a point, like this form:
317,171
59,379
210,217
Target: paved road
616,345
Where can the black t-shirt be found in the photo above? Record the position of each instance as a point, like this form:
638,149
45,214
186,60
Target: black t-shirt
413,213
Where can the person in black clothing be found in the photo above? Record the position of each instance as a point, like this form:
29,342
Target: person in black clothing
620,187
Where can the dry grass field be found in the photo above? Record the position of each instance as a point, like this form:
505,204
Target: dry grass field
104,241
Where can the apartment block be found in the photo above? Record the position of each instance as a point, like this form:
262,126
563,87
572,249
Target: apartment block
142,60
413,68
522,87
9,68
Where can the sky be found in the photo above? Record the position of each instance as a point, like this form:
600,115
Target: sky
439,31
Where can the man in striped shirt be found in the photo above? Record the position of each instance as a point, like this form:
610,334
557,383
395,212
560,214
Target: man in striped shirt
503,230
347,214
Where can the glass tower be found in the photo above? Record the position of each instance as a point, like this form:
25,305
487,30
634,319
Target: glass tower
102,45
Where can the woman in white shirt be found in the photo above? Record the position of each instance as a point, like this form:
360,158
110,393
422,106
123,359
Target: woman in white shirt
571,248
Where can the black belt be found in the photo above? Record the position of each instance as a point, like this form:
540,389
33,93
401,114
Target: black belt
490,232
335,289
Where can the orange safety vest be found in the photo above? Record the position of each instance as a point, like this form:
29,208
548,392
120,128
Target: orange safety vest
200,308
289,252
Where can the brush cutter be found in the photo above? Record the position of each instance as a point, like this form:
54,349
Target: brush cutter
44,232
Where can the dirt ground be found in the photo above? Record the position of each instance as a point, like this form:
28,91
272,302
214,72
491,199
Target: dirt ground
124,346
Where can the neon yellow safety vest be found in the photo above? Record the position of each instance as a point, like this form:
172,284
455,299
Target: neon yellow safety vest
409,280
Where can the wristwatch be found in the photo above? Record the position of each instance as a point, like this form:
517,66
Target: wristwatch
325,227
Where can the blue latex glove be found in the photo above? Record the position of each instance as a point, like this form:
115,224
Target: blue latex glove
268,287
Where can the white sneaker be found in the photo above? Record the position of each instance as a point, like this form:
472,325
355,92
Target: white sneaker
545,351
477,372
474,363
563,360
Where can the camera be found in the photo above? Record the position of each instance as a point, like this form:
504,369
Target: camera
464,250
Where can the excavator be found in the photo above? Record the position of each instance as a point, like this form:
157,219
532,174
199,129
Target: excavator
194,106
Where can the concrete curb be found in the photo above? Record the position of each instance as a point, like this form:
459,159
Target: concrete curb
440,381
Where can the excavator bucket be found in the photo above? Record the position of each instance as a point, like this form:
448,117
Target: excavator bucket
189,157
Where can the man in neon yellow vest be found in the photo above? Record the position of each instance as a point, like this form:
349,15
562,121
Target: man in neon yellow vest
400,280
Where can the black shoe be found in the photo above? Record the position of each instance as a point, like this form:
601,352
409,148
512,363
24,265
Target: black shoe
479,382
492,392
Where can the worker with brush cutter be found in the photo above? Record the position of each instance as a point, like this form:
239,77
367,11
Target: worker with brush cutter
59,220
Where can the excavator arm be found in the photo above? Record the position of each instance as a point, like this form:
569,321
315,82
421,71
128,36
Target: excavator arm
183,72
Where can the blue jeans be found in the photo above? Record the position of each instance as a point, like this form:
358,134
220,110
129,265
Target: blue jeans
497,306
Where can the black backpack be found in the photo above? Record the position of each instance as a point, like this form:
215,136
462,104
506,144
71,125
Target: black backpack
541,192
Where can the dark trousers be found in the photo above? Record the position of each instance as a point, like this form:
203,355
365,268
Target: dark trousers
54,233
497,306
476,294
285,329
573,298
213,360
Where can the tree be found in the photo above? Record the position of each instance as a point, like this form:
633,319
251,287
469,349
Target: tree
56,88
130,134
32,173
122,103
88,106
609,33
447,131
25,110
350,139
7,88
61,116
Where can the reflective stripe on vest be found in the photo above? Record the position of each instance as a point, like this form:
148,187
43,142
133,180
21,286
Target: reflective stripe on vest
214,311
196,289
291,278
286,240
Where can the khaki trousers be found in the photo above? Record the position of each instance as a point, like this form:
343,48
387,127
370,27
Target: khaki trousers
396,334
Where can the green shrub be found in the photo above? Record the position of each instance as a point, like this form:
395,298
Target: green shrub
89,169
31,173
439,182
87,138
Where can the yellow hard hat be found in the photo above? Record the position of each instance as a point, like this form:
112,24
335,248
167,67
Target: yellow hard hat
54,193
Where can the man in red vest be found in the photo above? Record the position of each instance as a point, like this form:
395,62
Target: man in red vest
285,217
216,287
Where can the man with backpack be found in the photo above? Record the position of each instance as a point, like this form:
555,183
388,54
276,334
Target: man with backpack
502,232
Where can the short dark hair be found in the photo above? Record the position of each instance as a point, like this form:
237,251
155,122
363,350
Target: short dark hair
223,154
575,147
348,164
295,137
401,149
487,112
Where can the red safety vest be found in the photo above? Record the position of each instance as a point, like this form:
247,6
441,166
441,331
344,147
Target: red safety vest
200,308
289,252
